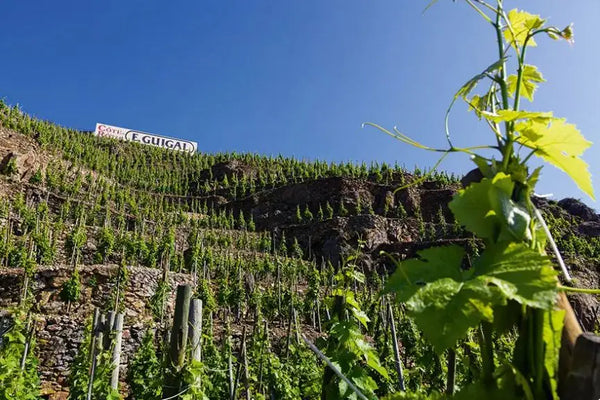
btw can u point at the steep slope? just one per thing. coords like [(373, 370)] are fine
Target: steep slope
[(258, 237)]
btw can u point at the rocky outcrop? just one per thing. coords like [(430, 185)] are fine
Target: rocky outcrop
[(23, 151), (590, 228), (579, 209)]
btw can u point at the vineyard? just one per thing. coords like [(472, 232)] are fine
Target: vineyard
[(128, 271)]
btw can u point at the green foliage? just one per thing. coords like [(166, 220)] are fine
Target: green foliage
[(530, 77), (559, 144), (71, 289), (10, 168), (37, 177), (251, 224), (204, 293), (415, 396), (512, 280), (144, 374), (75, 240), (359, 206), (342, 211), (329, 210), (296, 249), (105, 245), (157, 301), (320, 214), (346, 346), (17, 382), (446, 301), (79, 377), (241, 224), (148, 200), (308, 215), (195, 380), (79, 372), (217, 386), (45, 249)]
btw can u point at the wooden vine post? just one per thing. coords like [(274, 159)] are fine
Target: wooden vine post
[(95, 339), (179, 332), (185, 334), (397, 361), (107, 333), (579, 361), (178, 339), (195, 333), (116, 355)]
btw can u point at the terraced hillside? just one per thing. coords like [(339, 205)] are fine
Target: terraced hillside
[(91, 223)]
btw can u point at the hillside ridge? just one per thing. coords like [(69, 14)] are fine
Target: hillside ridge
[(256, 237)]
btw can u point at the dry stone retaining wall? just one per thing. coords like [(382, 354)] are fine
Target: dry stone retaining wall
[(60, 326)]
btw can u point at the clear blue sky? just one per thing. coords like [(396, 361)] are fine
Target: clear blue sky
[(296, 78)]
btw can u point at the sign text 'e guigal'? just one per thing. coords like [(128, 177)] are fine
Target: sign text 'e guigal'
[(150, 139)]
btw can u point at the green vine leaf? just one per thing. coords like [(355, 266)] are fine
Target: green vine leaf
[(560, 144), (521, 24), (521, 274), (530, 77), (445, 310), (446, 301), (433, 263), (553, 324), (487, 209), (508, 383), (511, 116), (480, 103)]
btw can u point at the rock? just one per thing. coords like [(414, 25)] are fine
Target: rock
[(59, 396), (579, 209), (586, 309), (590, 228), (472, 176)]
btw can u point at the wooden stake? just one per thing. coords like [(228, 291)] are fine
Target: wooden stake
[(398, 363), (30, 333), (450, 383), (246, 372), (240, 364), (178, 340), (289, 332), (318, 315), (179, 332), (96, 338), (116, 355), (107, 329), (230, 368), (195, 333)]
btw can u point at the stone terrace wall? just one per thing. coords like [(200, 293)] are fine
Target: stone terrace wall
[(60, 326)]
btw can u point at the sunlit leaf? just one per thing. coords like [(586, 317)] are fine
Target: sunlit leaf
[(510, 116), (480, 103), (486, 208), (553, 324), (560, 144), (522, 274), (521, 24), (446, 309), (530, 77), (433, 263)]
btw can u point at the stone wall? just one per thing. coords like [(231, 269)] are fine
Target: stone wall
[(60, 326)]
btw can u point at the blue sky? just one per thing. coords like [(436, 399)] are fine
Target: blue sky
[(296, 78)]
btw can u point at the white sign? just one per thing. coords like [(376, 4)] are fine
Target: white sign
[(150, 139)]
